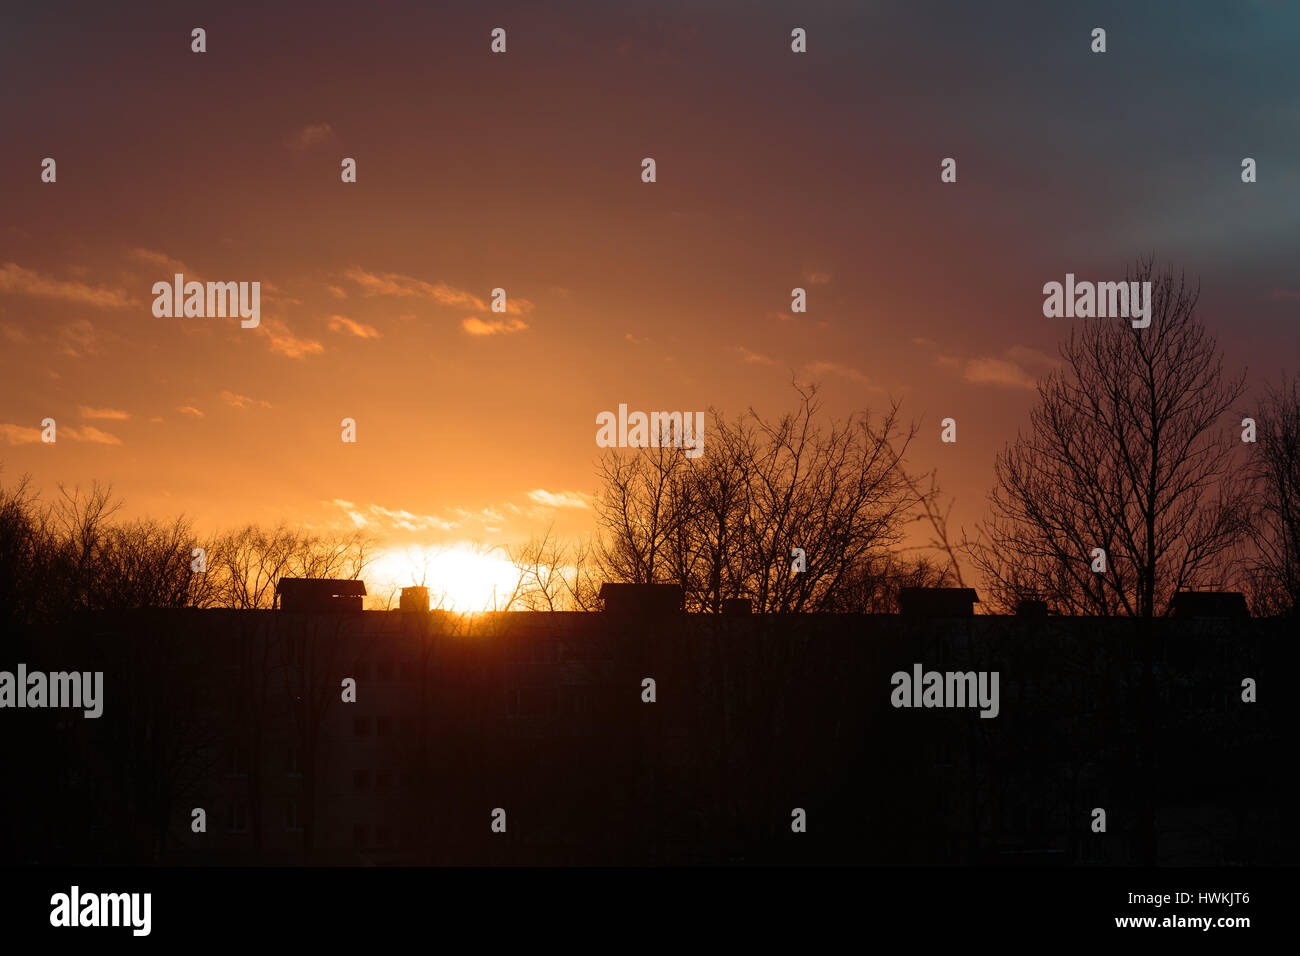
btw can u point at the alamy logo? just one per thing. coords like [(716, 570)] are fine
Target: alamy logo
[(58, 689), (653, 430), (1101, 300), (103, 909), (946, 689), (215, 300)]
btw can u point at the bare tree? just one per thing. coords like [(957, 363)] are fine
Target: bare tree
[(553, 575), (725, 525), (148, 564), (1273, 567), (1128, 453), (24, 555), (247, 563)]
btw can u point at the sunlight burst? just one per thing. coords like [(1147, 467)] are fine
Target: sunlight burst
[(462, 577)]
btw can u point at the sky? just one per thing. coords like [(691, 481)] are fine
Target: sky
[(522, 171)]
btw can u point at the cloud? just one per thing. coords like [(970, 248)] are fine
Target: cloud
[(392, 283), (834, 368), (1280, 295), (77, 338), (91, 434), (560, 499), (189, 410), (637, 340), (405, 520), (285, 342), (15, 334), (310, 135), (922, 341), (349, 509), (15, 279), (753, 357), (19, 434), (112, 414), (337, 291), (158, 259), (817, 278), (24, 435), (1018, 367), (341, 323), (476, 326), (241, 401)]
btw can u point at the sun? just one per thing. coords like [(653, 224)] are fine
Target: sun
[(461, 577)]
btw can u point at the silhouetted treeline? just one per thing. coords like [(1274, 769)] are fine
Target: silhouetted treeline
[(68, 554)]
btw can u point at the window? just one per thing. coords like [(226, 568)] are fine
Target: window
[(383, 779), (292, 767), (408, 725), (384, 726), (361, 671), (292, 823), (237, 815), (360, 779), (383, 835), (384, 670), (238, 766), (359, 834), (361, 726)]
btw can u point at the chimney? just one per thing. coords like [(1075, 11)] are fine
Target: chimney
[(642, 599), (319, 594), (937, 602), (414, 599)]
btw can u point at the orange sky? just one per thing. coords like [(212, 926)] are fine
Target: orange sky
[(522, 171)]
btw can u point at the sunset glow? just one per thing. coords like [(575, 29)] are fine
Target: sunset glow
[(461, 578)]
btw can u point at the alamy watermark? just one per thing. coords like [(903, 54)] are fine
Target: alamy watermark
[(57, 689), (1100, 300), (651, 430), (946, 689), (211, 300)]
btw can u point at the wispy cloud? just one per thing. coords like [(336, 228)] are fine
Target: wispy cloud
[(377, 516), (20, 434), (814, 277), (285, 342), (88, 433), (1017, 367), (112, 414), (189, 410), (310, 135), (393, 283), (235, 400), (341, 323), (77, 338), (835, 368), (560, 499), (14, 279), (476, 326), (26, 435), (161, 259), (753, 358)]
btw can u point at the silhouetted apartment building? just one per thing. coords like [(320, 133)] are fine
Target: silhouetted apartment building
[(645, 735)]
